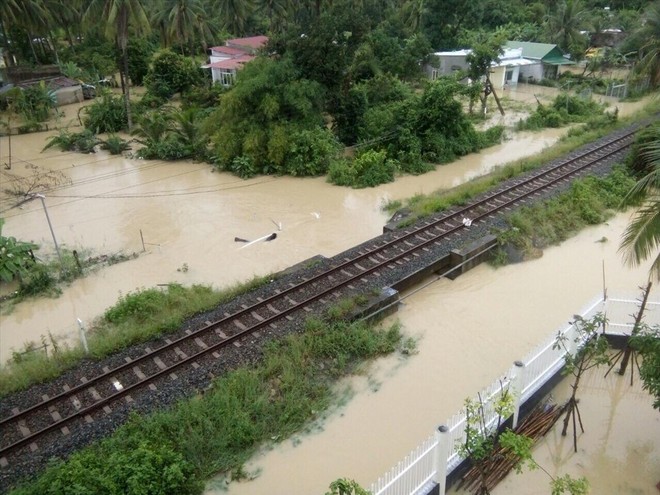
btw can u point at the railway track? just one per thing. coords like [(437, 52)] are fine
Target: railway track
[(26, 431)]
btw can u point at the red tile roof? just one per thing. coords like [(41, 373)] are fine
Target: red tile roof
[(252, 42), (229, 50)]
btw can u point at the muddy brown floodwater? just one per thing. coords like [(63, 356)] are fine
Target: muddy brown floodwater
[(189, 216), (469, 330)]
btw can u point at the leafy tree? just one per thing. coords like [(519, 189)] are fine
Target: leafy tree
[(482, 439), (269, 104), (140, 52), (15, 256), (647, 343), (484, 53), (171, 73), (585, 351)]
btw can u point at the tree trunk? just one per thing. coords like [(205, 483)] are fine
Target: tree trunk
[(34, 53), (9, 59), (127, 91)]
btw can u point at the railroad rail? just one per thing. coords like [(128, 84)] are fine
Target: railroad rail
[(23, 431)]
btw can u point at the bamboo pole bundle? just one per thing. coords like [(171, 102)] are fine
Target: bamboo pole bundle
[(534, 426)]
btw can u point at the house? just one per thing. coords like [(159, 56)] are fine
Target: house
[(503, 73), (546, 59), (226, 60)]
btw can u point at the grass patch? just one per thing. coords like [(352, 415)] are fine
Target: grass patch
[(137, 317), (565, 109), (589, 201), (219, 431)]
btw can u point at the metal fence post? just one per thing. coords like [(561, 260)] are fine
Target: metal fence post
[(441, 455), (517, 378)]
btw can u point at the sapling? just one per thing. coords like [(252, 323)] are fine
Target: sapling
[(586, 350)]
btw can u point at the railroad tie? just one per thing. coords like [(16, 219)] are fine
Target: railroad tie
[(239, 325), (272, 308), (159, 363), (221, 333), (3, 462), (95, 394), (201, 343), (54, 414), (138, 372), (257, 316), (22, 426), (180, 353)]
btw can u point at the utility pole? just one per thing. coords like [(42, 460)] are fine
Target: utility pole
[(52, 232)]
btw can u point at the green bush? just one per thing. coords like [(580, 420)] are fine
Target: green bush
[(144, 469), (106, 114), (83, 141), (115, 145), (369, 169), (171, 73), (310, 152)]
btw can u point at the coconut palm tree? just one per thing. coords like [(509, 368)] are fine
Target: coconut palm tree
[(563, 26), (649, 31), (641, 239), (181, 20), (119, 15), (234, 14), (10, 13), (277, 11)]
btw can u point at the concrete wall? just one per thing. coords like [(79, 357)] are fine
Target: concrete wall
[(66, 96)]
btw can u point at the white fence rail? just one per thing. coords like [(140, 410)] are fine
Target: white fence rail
[(437, 456)]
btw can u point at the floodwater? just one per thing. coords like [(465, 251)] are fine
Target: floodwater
[(615, 454), (469, 332), (188, 216)]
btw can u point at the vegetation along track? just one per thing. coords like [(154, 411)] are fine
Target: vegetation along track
[(24, 431)]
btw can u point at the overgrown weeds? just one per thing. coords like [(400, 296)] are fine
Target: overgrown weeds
[(219, 431), (136, 318), (589, 201)]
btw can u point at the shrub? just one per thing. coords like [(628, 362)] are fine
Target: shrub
[(115, 145), (310, 152), (171, 73), (106, 114), (83, 141), (369, 169)]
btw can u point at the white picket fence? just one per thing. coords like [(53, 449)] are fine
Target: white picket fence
[(437, 456)]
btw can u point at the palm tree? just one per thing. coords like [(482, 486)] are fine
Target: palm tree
[(118, 15), (564, 24), (641, 238), (234, 14), (277, 11), (10, 13), (649, 52), (181, 19)]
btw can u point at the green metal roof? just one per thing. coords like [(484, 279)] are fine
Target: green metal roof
[(546, 52), (554, 60)]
